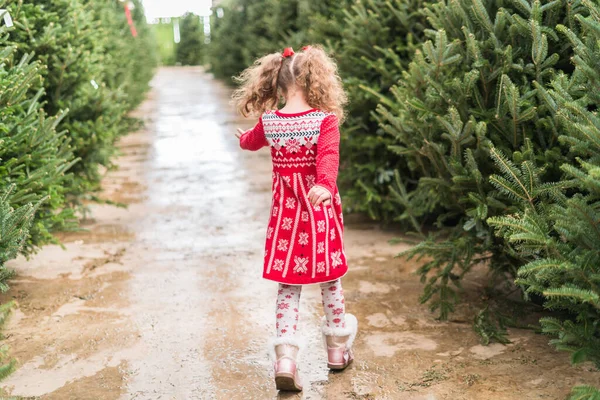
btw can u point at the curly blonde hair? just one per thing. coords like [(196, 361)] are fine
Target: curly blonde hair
[(313, 71)]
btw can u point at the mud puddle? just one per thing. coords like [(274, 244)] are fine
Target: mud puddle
[(163, 300)]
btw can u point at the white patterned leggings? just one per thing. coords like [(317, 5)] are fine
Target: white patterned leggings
[(288, 305)]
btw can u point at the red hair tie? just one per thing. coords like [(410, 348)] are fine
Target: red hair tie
[(288, 52), (306, 48)]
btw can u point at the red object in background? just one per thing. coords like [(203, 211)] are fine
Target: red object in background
[(130, 20)]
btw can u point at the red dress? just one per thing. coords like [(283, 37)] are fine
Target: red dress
[(304, 244)]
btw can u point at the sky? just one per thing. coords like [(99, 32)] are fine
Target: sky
[(175, 8)]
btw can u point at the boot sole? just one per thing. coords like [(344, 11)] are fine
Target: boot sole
[(287, 383), (339, 367)]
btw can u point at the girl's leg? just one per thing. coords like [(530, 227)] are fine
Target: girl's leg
[(333, 304), (286, 345), (339, 328), (287, 311)]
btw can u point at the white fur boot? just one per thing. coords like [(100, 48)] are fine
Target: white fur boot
[(286, 371), (339, 343)]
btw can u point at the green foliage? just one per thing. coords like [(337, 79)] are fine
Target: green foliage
[(377, 41), (52, 58), (7, 363), (225, 55), (559, 238), (468, 98), (584, 393), (165, 39), (490, 328), (190, 49), (95, 70), (34, 158), (14, 230), (67, 39)]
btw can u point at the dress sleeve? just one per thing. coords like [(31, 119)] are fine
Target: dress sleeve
[(328, 154), (254, 139)]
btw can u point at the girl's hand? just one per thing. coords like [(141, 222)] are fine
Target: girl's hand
[(317, 195), (239, 133)]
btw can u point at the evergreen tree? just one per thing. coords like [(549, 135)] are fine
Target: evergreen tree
[(376, 42), (470, 95), (225, 56), (68, 40), (91, 69), (322, 23), (559, 239), (34, 158), (190, 49)]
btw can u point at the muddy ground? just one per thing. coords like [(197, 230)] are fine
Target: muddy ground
[(164, 300)]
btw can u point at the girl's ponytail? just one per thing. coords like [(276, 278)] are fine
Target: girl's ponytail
[(316, 73), (258, 90)]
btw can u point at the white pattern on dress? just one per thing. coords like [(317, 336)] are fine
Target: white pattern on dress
[(275, 209), (292, 146), (277, 147), (310, 181), (269, 232), (282, 245), (320, 226), (278, 265), (336, 258), (321, 248), (303, 238), (332, 234), (287, 224), (300, 264), (304, 216), (321, 266), (290, 202)]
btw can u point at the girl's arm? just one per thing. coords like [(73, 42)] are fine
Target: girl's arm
[(254, 139), (328, 154)]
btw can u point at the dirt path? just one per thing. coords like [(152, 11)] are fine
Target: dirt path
[(163, 300)]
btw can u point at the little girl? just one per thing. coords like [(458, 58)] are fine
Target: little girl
[(304, 237)]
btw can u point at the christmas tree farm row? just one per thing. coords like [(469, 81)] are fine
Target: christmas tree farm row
[(70, 71), (476, 118)]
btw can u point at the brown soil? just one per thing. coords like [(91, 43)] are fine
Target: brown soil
[(164, 300)]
